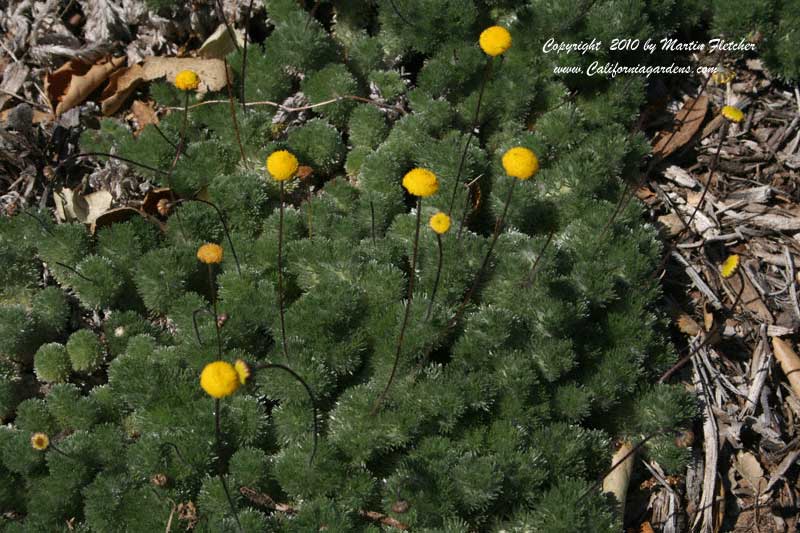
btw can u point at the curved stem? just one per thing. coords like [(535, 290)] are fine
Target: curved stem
[(438, 274), (372, 219), (75, 271), (244, 56), (497, 227), (688, 357), (399, 350), (280, 278), (715, 161), (532, 274), (194, 322), (221, 217), (472, 131), (62, 452), (635, 449), (217, 434), (110, 156), (234, 120), (214, 304), (629, 191), (311, 397)]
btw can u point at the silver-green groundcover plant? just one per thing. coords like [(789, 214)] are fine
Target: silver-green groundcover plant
[(460, 373)]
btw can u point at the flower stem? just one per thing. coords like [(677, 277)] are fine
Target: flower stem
[(532, 274), (217, 434), (62, 452), (311, 397), (722, 137), (244, 56), (471, 133), (221, 217), (399, 350), (438, 274), (214, 305), (497, 227), (280, 277), (233, 116)]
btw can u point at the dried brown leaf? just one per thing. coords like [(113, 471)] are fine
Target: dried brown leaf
[(120, 86), (72, 205), (789, 361), (210, 71), (219, 44), (688, 325), (74, 81), (687, 121), (144, 113), (617, 481)]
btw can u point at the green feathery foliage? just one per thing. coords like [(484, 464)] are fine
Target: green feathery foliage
[(502, 406)]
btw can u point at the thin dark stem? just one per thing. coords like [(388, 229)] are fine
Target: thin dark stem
[(217, 434), (244, 56), (280, 278), (464, 213), (228, 27), (438, 274), (688, 357), (409, 299), (311, 14), (213, 290), (163, 136), (110, 156), (629, 191), (498, 226), (636, 448), (233, 115), (221, 217), (178, 453), (62, 452), (40, 221), (471, 133), (194, 322), (722, 137), (372, 219), (311, 397), (532, 274), (90, 280)]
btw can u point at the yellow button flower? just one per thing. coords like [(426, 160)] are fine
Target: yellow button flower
[(210, 254), (40, 441), (734, 114), (520, 163), (421, 182), (219, 379), (242, 370), (282, 165), (187, 80), (440, 223), (495, 40), (729, 267)]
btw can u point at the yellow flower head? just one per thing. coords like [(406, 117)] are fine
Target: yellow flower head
[(440, 223), (219, 379), (242, 370), (40, 441), (729, 267), (421, 182), (187, 80), (210, 253), (520, 163), (734, 114), (495, 40), (282, 165)]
